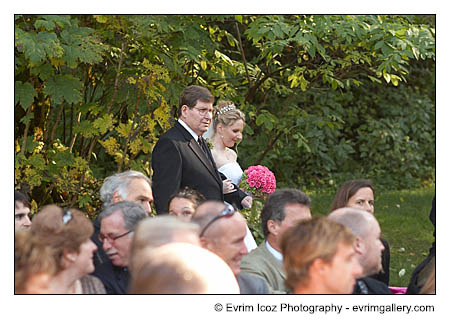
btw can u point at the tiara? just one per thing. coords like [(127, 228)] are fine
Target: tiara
[(226, 108)]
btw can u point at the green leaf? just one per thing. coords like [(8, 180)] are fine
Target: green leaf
[(26, 119), (64, 158), (44, 71), (24, 93), (63, 87), (37, 161), (260, 119), (103, 124), (238, 18), (47, 25)]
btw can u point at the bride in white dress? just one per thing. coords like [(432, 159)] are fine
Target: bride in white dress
[(225, 132)]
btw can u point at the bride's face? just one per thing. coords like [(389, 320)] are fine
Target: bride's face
[(232, 133)]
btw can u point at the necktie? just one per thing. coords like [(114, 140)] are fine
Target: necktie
[(202, 144)]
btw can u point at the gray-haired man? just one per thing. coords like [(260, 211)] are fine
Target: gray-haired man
[(131, 186), (117, 224)]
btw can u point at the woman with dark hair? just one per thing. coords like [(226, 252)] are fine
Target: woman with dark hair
[(22, 210), (68, 233), (184, 203), (361, 194)]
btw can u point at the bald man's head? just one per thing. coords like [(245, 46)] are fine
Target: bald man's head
[(367, 231), (222, 231), (182, 268)]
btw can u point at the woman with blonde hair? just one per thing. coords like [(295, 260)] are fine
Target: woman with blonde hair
[(67, 233), (225, 133)]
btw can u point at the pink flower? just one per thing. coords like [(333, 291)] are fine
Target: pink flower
[(260, 178)]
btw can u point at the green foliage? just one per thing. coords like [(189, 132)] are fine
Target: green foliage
[(326, 97)]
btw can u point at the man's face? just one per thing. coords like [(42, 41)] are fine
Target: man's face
[(21, 216), (371, 260), (294, 213), (340, 274), (118, 250), (229, 242), (139, 191), (198, 117)]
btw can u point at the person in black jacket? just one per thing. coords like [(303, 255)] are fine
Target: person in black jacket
[(182, 158), (360, 194), (425, 269), (368, 247)]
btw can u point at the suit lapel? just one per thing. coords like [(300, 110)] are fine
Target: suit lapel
[(195, 147), (205, 160)]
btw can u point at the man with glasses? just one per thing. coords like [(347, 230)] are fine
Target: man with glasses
[(117, 224), (181, 158), (222, 231)]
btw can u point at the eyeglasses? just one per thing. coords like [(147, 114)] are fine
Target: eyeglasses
[(67, 216), (111, 239), (203, 112), (227, 212)]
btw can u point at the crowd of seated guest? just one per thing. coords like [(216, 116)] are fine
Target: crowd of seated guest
[(200, 248)]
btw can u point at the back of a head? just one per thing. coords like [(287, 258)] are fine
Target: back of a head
[(348, 190), (32, 257), (119, 183), (132, 213), (307, 241), (206, 211), (157, 231), (181, 268), (357, 220), (274, 207), (64, 230)]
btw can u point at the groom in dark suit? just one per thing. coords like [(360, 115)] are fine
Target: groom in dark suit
[(181, 157)]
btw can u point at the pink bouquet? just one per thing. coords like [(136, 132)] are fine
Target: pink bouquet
[(258, 180)]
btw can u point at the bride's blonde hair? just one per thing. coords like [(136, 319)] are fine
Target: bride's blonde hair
[(226, 113)]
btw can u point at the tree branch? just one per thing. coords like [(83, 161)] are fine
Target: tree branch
[(243, 54)]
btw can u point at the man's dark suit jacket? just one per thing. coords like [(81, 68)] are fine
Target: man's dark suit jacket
[(370, 286), (115, 279), (179, 161)]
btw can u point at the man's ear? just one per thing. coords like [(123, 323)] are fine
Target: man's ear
[(272, 226), (318, 266), (183, 110), (116, 197), (359, 246), (207, 243)]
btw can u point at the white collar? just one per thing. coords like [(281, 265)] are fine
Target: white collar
[(195, 136), (277, 255)]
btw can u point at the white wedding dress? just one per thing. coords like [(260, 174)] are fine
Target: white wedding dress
[(233, 171)]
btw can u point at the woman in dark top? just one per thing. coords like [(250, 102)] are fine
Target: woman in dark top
[(361, 194)]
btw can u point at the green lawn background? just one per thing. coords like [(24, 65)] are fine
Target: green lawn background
[(405, 224)]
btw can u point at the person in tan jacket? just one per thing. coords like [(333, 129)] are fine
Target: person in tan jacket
[(282, 210)]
